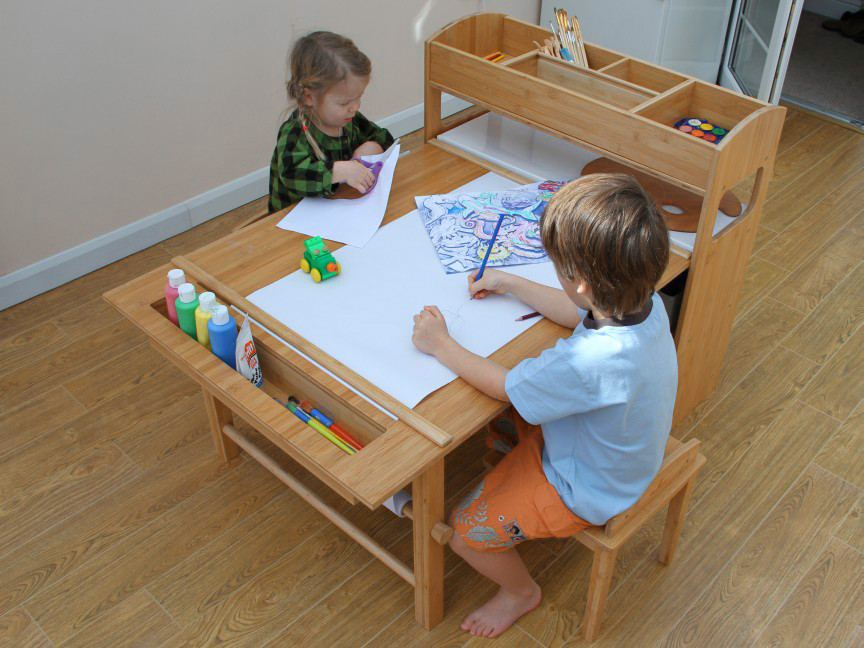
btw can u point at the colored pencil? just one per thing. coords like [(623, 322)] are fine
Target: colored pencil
[(528, 316), (489, 249)]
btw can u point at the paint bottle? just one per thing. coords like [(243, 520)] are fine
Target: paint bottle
[(222, 328), (206, 301), (175, 278), (186, 304)]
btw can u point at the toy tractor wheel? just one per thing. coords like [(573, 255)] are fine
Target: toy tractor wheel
[(316, 275), (304, 266)]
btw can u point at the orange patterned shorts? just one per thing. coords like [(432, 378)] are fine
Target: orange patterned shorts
[(515, 502)]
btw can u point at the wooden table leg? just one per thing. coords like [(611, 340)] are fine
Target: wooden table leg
[(219, 416), (428, 494)]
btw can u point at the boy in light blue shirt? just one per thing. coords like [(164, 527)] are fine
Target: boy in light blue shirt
[(594, 411)]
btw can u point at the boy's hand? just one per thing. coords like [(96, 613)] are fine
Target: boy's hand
[(430, 330), (492, 282), (355, 174)]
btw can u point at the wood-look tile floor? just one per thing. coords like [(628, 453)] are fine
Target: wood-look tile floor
[(119, 526)]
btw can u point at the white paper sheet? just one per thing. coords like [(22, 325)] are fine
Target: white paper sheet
[(352, 221), (363, 317)]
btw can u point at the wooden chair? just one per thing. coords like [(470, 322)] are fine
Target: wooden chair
[(672, 486)]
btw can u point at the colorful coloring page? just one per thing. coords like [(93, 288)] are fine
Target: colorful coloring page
[(461, 225)]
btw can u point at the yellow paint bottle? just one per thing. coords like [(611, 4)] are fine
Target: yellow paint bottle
[(206, 301)]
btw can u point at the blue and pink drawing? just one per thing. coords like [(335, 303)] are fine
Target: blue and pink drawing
[(461, 225)]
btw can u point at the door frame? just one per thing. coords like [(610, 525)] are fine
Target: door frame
[(778, 51)]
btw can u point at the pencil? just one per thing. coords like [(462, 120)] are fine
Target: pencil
[(489, 249), (528, 316)]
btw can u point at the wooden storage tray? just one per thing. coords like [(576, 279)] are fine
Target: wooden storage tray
[(620, 107), (285, 372)]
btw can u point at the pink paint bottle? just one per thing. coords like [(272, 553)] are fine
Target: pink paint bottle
[(175, 278)]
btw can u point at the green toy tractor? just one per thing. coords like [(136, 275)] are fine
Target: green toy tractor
[(318, 261)]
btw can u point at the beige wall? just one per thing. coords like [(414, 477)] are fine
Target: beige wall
[(112, 111)]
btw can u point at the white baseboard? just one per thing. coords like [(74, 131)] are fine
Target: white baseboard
[(831, 8), (411, 119), (60, 268)]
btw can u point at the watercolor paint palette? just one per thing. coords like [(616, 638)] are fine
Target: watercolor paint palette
[(702, 128)]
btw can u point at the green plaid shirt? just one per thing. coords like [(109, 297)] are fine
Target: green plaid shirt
[(295, 170)]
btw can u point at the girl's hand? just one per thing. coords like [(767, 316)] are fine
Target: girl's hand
[(493, 282), (353, 173), (368, 148), (430, 330)]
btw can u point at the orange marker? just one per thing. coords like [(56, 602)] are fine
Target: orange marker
[(493, 55)]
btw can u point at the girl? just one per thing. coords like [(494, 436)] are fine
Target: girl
[(316, 146)]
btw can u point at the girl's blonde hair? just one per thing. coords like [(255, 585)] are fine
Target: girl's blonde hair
[(318, 61)]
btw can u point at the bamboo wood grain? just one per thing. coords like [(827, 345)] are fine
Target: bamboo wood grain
[(556, 133), (500, 88), (428, 493), (602, 570), (321, 506), (220, 416), (424, 427), (718, 263), (674, 523)]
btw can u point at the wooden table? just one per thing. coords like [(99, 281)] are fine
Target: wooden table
[(396, 453)]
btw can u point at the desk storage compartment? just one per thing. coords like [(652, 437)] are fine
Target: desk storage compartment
[(579, 80), (643, 75), (287, 373), (722, 107)]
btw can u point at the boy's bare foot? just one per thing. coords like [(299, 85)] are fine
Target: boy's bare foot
[(498, 613)]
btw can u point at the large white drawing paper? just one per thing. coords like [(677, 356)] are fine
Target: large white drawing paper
[(363, 317), (352, 221)]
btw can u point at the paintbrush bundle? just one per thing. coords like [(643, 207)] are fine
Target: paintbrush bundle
[(566, 42)]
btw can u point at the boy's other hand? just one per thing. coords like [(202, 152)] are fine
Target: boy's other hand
[(492, 282), (430, 330), (356, 175)]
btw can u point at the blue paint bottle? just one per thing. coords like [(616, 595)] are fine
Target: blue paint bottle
[(223, 334)]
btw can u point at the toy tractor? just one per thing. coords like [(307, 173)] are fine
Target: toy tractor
[(318, 261)]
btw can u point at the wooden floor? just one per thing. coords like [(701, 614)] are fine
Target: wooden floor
[(119, 526)]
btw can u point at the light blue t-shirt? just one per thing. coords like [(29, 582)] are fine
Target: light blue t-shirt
[(604, 399)]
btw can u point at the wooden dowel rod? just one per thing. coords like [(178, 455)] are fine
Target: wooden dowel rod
[(406, 414), (321, 506), (441, 533)]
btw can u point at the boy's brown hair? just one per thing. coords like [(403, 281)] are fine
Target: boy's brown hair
[(604, 230)]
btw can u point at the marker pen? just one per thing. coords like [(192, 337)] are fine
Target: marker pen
[(306, 406), (315, 425)]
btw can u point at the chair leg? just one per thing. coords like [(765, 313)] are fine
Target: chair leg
[(675, 522), (601, 578)]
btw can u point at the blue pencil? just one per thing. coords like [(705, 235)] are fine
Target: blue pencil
[(489, 249)]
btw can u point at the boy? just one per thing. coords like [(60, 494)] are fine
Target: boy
[(602, 398)]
